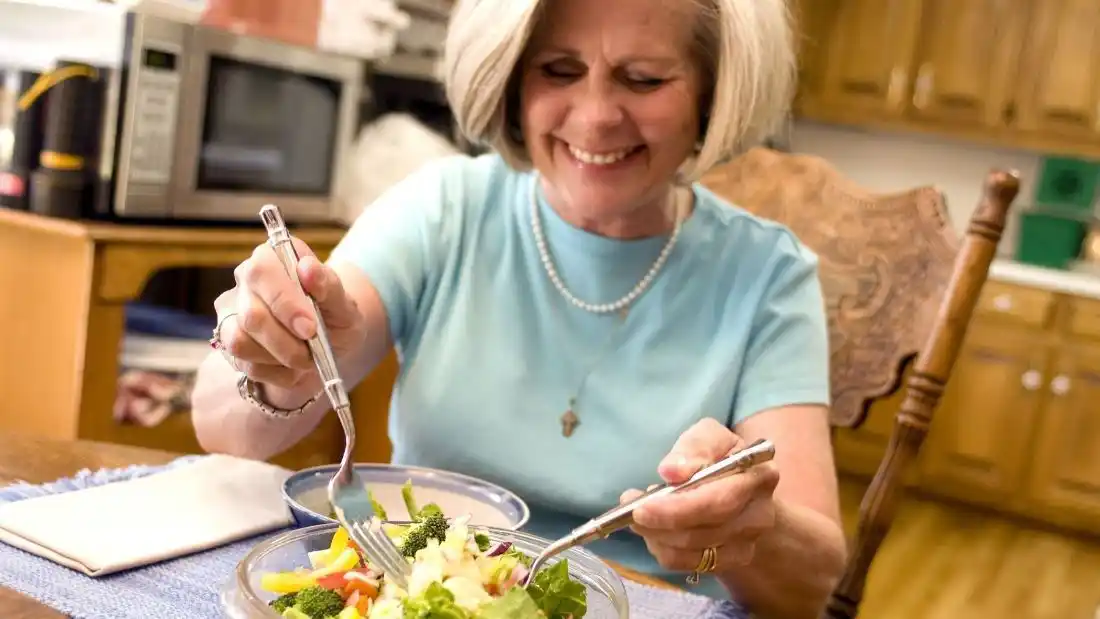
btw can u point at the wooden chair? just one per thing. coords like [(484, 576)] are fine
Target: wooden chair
[(898, 282)]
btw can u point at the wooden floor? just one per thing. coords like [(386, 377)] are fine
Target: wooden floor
[(944, 561)]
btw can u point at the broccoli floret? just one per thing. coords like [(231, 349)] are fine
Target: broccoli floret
[(284, 602), (432, 527), (318, 602), (428, 510)]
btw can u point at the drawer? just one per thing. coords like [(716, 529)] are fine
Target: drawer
[(1083, 317), (1023, 305)]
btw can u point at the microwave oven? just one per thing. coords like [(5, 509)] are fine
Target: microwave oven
[(202, 124)]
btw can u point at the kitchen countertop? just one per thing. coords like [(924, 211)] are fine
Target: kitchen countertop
[(1068, 282)]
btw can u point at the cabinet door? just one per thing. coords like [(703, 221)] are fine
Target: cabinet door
[(859, 451), (966, 58), (1059, 81), (977, 447), (813, 19), (870, 49), (1065, 480)]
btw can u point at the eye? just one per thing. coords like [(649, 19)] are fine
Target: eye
[(562, 70), (643, 83)]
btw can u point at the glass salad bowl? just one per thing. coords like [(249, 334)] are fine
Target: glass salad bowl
[(243, 598)]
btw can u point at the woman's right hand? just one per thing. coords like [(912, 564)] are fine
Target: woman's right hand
[(265, 319)]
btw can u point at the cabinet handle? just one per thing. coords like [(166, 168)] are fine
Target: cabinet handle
[(1002, 302), (922, 91), (896, 86), (1060, 385), (1031, 380)]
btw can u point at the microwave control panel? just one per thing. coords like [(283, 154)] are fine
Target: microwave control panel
[(155, 109)]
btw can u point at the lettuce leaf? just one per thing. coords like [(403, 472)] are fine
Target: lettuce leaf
[(556, 595), (514, 604), (435, 603)]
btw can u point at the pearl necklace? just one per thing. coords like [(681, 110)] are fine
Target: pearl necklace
[(597, 308)]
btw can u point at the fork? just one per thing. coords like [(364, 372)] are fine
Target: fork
[(622, 516), (346, 491), (380, 549)]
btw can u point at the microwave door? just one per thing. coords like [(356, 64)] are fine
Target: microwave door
[(146, 96), (273, 125)]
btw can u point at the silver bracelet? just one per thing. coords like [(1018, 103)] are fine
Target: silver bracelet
[(250, 392)]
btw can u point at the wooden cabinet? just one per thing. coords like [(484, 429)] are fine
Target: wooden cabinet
[(1018, 73), (1018, 428), (1064, 480), (977, 448), (962, 63), (59, 369), (813, 18), (867, 50)]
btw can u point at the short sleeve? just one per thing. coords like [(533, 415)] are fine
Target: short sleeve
[(400, 239), (787, 361)]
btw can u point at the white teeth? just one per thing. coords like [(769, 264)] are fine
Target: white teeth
[(599, 158)]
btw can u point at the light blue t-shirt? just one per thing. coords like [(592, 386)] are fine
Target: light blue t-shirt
[(491, 353)]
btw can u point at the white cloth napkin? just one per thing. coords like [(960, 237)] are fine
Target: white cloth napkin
[(105, 529)]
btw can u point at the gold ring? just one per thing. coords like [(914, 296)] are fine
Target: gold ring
[(707, 563)]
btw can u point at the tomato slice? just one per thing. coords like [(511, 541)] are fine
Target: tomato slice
[(335, 581)]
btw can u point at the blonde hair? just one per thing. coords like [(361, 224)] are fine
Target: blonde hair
[(745, 46)]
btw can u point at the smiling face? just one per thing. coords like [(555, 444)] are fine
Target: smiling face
[(609, 106)]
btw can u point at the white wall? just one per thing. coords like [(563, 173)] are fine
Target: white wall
[(892, 162)]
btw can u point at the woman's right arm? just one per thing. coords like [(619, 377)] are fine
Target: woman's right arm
[(226, 423), (370, 294)]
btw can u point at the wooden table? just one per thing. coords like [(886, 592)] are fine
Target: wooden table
[(37, 460)]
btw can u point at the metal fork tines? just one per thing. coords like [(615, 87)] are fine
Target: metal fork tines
[(381, 551)]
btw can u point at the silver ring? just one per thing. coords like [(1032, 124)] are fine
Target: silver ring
[(216, 341)]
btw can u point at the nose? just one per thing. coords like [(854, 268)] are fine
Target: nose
[(597, 107)]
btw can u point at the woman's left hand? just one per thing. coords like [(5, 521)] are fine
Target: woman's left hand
[(728, 515)]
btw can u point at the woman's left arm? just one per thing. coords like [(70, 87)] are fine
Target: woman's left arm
[(777, 531), (797, 563)]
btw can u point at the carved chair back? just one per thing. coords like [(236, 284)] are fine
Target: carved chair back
[(900, 284)]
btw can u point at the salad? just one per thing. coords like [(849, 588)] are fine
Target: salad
[(457, 573)]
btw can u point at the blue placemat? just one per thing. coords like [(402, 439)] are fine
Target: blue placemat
[(187, 588)]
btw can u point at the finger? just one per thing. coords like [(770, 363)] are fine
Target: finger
[(680, 560), (240, 345), (265, 277), (704, 443), (324, 285), (754, 521), (283, 347), (695, 538), (274, 375), (709, 504)]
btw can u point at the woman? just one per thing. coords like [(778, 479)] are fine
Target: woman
[(574, 317)]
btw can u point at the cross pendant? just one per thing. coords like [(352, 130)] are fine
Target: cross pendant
[(569, 423)]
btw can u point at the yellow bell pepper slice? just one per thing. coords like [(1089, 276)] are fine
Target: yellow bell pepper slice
[(286, 582), (322, 558), (346, 560), (340, 542)]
